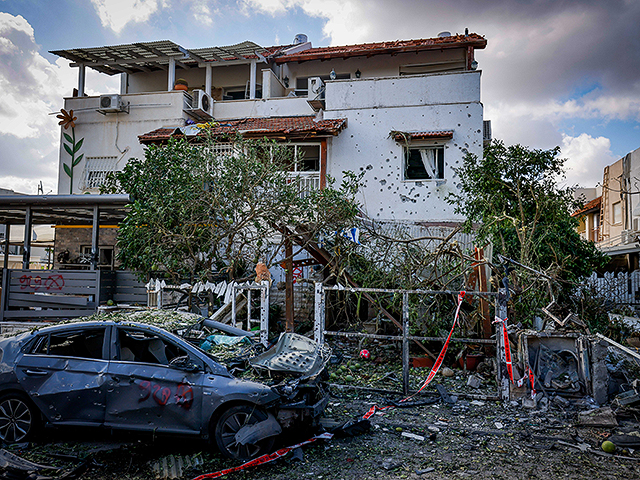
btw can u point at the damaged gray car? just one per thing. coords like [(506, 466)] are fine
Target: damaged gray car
[(139, 377)]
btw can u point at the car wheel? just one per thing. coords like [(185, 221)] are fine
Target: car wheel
[(18, 418), (228, 425)]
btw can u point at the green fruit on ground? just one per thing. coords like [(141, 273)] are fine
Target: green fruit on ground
[(398, 429), (349, 378), (343, 368), (608, 446), (110, 303)]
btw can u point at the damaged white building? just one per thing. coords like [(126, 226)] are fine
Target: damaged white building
[(405, 112)]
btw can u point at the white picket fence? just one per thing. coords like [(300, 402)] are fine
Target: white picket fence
[(623, 288)]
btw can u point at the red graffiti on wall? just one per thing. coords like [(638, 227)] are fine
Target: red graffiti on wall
[(52, 282)]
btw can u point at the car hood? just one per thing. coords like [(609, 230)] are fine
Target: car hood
[(293, 354)]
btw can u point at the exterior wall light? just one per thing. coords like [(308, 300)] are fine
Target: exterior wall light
[(358, 73), (332, 75), (474, 65)]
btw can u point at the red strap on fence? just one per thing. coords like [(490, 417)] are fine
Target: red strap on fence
[(440, 359), (269, 457), (507, 356), (434, 369)]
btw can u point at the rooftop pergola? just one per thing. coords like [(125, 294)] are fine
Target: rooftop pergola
[(158, 56), (29, 210)]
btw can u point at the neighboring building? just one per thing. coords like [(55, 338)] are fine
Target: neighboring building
[(589, 218), (620, 212), (405, 112)]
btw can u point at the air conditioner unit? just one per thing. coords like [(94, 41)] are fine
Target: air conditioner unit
[(201, 105), (112, 103), (315, 88)]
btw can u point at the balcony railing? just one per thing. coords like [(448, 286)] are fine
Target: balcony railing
[(307, 181)]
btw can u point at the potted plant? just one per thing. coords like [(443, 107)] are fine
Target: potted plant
[(181, 84)]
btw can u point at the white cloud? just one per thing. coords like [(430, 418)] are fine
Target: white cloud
[(116, 14), (32, 89), (202, 12), (586, 158)]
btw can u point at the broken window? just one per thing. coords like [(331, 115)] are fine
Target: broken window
[(76, 343), (424, 163), (146, 347)]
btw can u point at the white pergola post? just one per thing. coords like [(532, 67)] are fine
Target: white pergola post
[(124, 83), (207, 79), (252, 80), (171, 74), (81, 79)]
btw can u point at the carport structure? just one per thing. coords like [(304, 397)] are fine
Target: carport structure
[(39, 294)]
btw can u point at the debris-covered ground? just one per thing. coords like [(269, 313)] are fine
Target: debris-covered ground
[(471, 438), (458, 430)]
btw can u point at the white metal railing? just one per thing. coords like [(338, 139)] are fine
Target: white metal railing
[(307, 181)]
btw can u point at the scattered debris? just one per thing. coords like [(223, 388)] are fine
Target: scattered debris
[(474, 381), (175, 466), (413, 436), (601, 417)]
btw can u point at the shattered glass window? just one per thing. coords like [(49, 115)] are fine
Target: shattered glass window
[(146, 347), (76, 343), (424, 163)]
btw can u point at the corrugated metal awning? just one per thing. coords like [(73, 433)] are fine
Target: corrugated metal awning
[(154, 56)]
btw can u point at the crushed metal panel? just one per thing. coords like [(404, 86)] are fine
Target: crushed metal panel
[(294, 354)]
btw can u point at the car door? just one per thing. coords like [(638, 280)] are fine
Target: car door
[(145, 391), (64, 373)]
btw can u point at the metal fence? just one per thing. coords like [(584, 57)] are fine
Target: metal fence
[(404, 336), (623, 288)]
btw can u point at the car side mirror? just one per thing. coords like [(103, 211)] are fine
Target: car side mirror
[(184, 363)]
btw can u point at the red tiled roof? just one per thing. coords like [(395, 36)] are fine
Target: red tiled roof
[(399, 46), (592, 205), (255, 127), (432, 135)]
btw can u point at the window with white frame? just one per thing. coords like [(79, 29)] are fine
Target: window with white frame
[(423, 162), (617, 212), (96, 170), (304, 164)]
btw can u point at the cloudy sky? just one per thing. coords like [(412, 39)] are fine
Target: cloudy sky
[(555, 72)]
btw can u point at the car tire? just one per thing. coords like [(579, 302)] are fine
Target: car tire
[(228, 424), (18, 418)]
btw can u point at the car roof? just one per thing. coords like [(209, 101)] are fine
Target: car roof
[(100, 323)]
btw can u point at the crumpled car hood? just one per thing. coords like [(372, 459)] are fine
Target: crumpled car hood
[(293, 354)]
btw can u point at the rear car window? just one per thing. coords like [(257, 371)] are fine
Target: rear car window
[(86, 343)]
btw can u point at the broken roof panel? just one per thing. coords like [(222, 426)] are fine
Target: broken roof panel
[(240, 51), (399, 46), (306, 126)]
